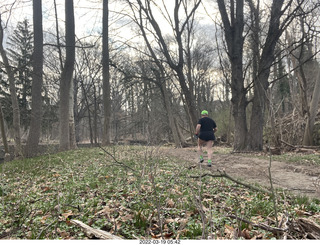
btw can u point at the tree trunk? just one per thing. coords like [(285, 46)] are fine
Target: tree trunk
[(314, 105), (233, 30), (3, 132), (37, 81), (177, 64), (13, 93), (95, 117), (88, 109), (261, 83), (167, 105), (66, 77), (106, 75), (72, 130)]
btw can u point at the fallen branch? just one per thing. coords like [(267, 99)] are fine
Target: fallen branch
[(223, 174), (265, 227), (286, 143), (301, 147), (94, 233), (308, 226)]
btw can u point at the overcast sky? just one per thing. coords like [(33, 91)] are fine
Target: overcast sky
[(88, 14)]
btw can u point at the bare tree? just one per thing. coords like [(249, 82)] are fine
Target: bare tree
[(233, 30), (37, 81), (14, 99), (66, 77), (175, 60), (260, 79), (106, 74), (263, 58), (314, 105)]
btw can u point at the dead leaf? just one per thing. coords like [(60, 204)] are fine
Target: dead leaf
[(44, 218), (106, 211), (45, 188), (168, 235), (63, 234), (126, 217), (229, 231), (167, 221), (170, 203), (246, 234), (67, 214)]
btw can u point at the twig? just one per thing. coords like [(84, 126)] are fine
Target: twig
[(116, 161), (47, 227), (274, 230), (223, 174), (286, 143), (274, 197)]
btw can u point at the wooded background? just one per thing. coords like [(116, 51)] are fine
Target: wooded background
[(122, 71)]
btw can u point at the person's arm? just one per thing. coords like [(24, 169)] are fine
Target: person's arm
[(215, 129), (198, 129)]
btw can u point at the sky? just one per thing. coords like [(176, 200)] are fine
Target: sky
[(88, 15)]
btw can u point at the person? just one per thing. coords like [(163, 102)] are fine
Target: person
[(205, 130)]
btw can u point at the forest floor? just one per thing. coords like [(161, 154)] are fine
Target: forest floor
[(152, 192), (301, 178)]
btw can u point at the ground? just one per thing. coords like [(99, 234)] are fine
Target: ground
[(300, 179)]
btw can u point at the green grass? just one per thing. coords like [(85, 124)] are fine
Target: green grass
[(289, 157), (127, 194), (299, 158)]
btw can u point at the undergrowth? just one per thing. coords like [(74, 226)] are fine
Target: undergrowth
[(133, 192)]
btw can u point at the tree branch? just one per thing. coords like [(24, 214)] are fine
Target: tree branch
[(116, 161), (223, 174)]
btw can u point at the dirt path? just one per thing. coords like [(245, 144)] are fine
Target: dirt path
[(300, 179)]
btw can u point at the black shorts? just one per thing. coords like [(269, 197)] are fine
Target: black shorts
[(207, 135)]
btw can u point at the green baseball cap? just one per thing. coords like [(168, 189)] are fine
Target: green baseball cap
[(204, 112)]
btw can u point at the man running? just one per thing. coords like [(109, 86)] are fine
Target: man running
[(205, 132)]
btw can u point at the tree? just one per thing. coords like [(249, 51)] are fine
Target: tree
[(174, 58), (260, 79), (160, 81), (66, 77), (233, 31), (20, 54), (37, 81), (3, 133), (14, 100), (314, 104), (106, 74), (263, 57)]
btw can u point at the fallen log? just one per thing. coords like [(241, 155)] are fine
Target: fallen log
[(94, 233)]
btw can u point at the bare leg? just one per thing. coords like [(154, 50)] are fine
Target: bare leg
[(209, 149), (200, 151)]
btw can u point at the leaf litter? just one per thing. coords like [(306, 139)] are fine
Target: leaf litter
[(137, 192)]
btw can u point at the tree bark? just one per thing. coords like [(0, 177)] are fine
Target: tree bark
[(261, 83), (3, 132), (37, 81), (314, 105), (72, 130), (66, 76), (233, 30), (106, 75), (167, 105)]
